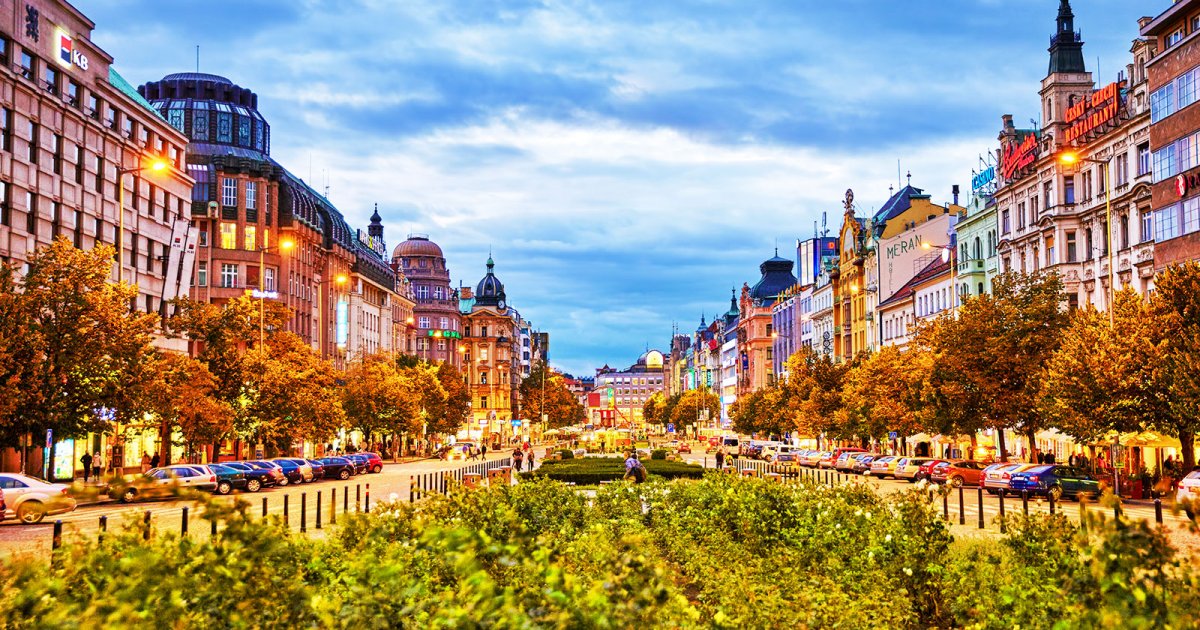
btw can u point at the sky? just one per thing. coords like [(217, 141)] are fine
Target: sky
[(626, 163)]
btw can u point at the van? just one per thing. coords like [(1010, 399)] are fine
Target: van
[(730, 443)]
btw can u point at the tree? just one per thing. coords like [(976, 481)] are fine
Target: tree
[(1106, 377), (814, 390), (692, 406), (881, 394), (545, 392), (652, 410), (380, 399), (448, 414), (182, 396), (1176, 299), (763, 411), (291, 394), (72, 343)]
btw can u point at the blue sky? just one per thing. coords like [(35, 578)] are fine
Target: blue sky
[(626, 162)]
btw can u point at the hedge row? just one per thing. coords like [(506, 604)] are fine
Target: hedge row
[(592, 470)]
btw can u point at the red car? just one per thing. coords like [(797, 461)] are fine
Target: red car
[(925, 471), (962, 473)]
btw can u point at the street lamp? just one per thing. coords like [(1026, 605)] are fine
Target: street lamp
[(284, 245), (947, 256), (157, 165), (1068, 158)]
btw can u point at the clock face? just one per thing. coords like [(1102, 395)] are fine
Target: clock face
[(500, 303)]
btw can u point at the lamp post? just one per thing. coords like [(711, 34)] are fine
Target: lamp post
[(948, 256), (284, 245), (1068, 158), (157, 165)]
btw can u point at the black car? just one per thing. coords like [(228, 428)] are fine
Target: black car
[(360, 462), (317, 467), (260, 476), (338, 467)]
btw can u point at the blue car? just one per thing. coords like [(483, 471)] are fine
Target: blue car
[(265, 475), (1055, 481)]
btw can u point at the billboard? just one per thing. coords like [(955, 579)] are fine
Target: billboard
[(904, 255)]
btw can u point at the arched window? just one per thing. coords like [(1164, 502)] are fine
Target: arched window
[(978, 248)]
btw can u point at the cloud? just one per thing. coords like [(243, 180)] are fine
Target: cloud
[(626, 162)]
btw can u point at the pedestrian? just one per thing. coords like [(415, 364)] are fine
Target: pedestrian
[(633, 468), (517, 458), (720, 458), (1071, 460), (483, 451), (154, 460), (86, 460), (529, 458), (97, 465), (145, 462)]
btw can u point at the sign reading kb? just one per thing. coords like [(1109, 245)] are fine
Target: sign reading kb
[(68, 55)]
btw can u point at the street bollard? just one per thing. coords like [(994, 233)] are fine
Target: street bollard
[(213, 529), (1003, 528), (103, 527), (412, 489), (264, 507), (962, 513), (1158, 518), (357, 497), (1050, 495), (346, 499), (980, 507), (303, 512), (146, 526), (318, 509), (367, 499), (285, 510), (1025, 501), (946, 506), (183, 526), (56, 542), (1117, 510), (332, 506)]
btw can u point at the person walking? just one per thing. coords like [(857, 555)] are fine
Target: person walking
[(720, 458), (529, 458), (483, 451), (97, 465), (154, 460), (518, 457), (86, 460), (145, 462)]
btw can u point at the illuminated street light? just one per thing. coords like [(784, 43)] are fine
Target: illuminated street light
[(157, 165)]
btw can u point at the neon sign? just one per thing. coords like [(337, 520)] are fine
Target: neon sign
[(982, 179), (1017, 156), (1096, 110)]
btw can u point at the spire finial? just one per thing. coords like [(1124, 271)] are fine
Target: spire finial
[(909, 176)]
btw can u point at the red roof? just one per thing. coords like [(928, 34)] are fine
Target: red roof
[(931, 271)]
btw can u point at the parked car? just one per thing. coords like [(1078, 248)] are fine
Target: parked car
[(296, 473), (996, 477), (812, 459), (3, 508), (1188, 494), (266, 464), (372, 462), (158, 483), (956, 474), (836, 454), (337, 467), (317, 467), (228, 479), (884, 466), (30, 499), (769, 453), (302, 463), (862, 463), (258, 477), (1055, 481), (908, 467), (845, 461), (925, 471)]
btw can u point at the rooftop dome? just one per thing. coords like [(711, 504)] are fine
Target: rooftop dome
[(197, 76), (776, 276), (417, 245), (490, 291)]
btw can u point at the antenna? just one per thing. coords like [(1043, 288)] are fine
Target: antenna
[(197, 57), (897, 176), (824, 230)]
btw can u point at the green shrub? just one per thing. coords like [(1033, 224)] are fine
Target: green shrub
[(658, 454), (587, 471), (566, 453)]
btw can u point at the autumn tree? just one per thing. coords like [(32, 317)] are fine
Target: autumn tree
[(652, 409), (764, 411), (1176, 300), (448, 413), (813, 390), (182, 396), (291, 395), (881, 393), (693, 405), (379, 400), (545, 392), (71, 343)]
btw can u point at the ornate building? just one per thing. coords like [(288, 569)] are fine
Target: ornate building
[(492, 357), (438, 323), (755, 331)]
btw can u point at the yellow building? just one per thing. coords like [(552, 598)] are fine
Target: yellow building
[(491, 358)]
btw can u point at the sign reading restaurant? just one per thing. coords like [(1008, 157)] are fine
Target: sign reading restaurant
[(1094, 112)]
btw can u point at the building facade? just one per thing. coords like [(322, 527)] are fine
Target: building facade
[(492, 356), (977, 236), (619, 395), (438, 322), (1171, 76), (755, 328)]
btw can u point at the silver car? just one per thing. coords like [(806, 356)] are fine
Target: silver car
[(30, 499)]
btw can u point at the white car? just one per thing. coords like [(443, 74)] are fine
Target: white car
[(1188, 494), (460, 451), (770, 451), (30, 499)]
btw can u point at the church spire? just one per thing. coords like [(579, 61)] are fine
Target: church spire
[(376, 227), (1066, 46)]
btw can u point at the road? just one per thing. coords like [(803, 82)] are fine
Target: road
[(393, 483)]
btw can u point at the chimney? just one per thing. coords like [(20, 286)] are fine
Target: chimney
[(954, 189)]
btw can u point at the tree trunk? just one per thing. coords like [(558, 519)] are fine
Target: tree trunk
[(974, 445), (1033, 449), (1000, 443), (164, 442), (1187, 439), (216, 451)]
